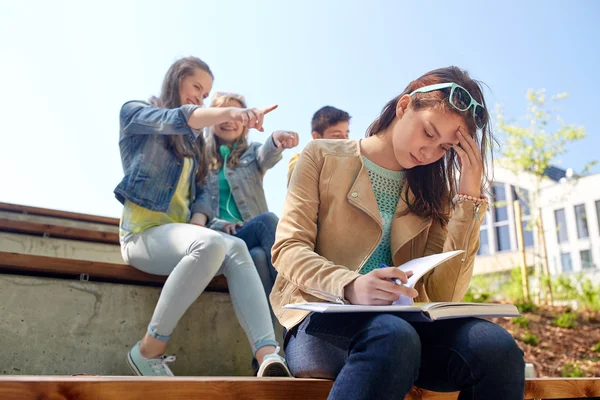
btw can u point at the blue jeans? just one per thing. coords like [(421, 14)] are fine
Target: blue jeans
[(259, 235), (381, 356)]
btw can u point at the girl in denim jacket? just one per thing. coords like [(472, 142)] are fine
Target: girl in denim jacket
[(235, 183), (166, 209)]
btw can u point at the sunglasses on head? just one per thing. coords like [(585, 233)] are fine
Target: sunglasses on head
[(461, 99)]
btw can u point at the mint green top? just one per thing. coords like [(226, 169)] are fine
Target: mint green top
[(228, 209), (387, 185)]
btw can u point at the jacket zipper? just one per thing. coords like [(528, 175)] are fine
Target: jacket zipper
[(475, 218), (337, 299), (331, 297)]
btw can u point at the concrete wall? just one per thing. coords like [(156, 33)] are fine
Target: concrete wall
[(51, 326), (54, 326)]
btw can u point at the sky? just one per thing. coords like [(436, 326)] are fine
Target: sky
[(68, 66)]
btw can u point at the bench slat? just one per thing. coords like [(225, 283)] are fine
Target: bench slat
[(58, 213), (238, 388), (119, 273), (562, 388), (63, 232)]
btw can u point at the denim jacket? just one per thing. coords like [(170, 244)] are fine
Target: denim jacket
[(152, 171), (246, 181)]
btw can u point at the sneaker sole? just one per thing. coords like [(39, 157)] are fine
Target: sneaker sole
[(274, 370), (132, 365)]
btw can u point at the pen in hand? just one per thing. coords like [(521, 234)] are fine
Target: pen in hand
[(395, 280)]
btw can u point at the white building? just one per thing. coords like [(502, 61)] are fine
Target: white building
[(571, 219)]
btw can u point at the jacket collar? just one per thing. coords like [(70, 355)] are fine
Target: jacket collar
[(404, 227)]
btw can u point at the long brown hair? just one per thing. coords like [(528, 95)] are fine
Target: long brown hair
[(434, 185), (183, 145), (239, 146)]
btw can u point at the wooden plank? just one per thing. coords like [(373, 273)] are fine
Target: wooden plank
[(42, 219), (65, 232), (238, 388), (422, 394), (178, 388), (119, 273), (58, 213), (562, 388)]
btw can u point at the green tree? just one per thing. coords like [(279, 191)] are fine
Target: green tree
[(531, 147)]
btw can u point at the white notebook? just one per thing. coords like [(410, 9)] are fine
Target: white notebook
[(419, 311)]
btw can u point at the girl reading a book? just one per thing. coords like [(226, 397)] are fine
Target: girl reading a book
[(411, 188)]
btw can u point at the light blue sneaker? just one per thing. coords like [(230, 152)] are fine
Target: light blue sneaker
[(273, 365), (143, 366)]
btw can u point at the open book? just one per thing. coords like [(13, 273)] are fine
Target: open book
[(419, 312), (419, 267)]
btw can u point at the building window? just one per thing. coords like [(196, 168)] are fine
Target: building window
[(523, 196), (565, 262), (581, 219), (561, 226), (484, 244), (500, 206), (502, 238), (598, 212), (484, 240), (500, 216), (586, 259), (527, 234)]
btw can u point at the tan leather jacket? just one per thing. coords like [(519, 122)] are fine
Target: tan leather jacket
[(331, 224)]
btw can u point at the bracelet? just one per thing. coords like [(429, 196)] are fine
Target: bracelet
[(464, 197)]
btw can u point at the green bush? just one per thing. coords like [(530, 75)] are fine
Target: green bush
[(566, 320), (523, 322), (531, 339), (564, 288), (590, 295), (478, 291), (578, 288), (596, 347), (513, 288), (572, 370), (477, 295), (525, 307)]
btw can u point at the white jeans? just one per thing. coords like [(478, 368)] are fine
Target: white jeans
[(191, 256)]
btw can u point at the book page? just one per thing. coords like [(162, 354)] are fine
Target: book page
[(419, 312), (341, 308), (419, 267)]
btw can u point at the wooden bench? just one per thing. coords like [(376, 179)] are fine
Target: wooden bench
[(221, 388), (19, 263), (224, 388), (46, 212)]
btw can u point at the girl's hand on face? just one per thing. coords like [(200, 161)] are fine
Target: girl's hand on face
[(231, 228), (471, 165), (377, 287), (251, 117), (285, 139)]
